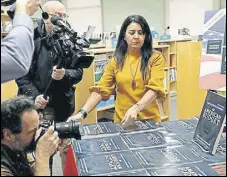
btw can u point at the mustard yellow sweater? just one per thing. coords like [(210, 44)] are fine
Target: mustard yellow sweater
[(122, 79)]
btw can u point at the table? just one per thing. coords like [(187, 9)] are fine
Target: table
[(71, 169)]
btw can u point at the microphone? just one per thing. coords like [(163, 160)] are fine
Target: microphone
[(45, 15), (55, 20)]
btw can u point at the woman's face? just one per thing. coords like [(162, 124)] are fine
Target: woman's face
[(134, 36)]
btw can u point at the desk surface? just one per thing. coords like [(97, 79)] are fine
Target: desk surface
[(71, 168)]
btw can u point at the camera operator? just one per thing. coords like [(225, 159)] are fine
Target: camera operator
[(61, 103), (19, 130), (18, 46)]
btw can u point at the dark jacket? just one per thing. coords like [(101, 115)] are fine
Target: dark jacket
[(14, 163), (62, 92)]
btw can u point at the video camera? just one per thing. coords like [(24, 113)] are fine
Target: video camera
[(7, 2), (69, 45), (65, 129)]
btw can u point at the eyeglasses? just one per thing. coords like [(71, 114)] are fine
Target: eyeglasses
[(61, 15)]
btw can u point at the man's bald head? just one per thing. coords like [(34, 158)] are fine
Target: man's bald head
[(53, 7)]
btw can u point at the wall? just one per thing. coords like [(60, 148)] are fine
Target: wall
[(115, 11), (84, 13), (223, 4), (189, 13)]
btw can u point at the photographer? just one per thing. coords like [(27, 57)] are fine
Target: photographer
[(61, 103), (17, 48), (19, 125)]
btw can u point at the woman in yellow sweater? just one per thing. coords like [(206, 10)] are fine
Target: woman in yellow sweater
[(135, 71)]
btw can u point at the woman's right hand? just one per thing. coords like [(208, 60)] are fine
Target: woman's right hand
[(47, 144), (78, 116)]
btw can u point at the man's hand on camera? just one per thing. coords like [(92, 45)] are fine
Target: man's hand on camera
[(28, 7), (40, 102), (58, 74), (47, 144), (78, 116)]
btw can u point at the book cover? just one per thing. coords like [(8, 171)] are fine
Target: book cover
[(181, 126), (218, 158), (99, 129), (166, 156), (187, 138), (212, 44), (130, 173), (194, 120), (149, 139), (107, 163), (194, 169), (142, 126), (98, 145), (184, 137), (99, 68), (211, 123)]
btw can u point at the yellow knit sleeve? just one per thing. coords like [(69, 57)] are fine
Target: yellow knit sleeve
[(106, 84), (157, 74)]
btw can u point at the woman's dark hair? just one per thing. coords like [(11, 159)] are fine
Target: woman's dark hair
[(122, 46), (11, 112)]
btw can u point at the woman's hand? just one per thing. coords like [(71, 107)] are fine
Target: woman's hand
[(131, 114)]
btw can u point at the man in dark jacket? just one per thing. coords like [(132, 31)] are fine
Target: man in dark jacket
[(19, 133), (61, 101), (61, 93)]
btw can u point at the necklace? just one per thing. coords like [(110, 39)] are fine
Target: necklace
[(134, 76)]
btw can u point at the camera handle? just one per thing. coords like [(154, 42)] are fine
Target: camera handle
[(60, 54)]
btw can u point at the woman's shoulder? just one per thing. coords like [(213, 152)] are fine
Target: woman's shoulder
[(156, 55)]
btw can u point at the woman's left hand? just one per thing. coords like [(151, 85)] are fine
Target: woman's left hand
[(130, 115)]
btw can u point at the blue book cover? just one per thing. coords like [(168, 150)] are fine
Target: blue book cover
[(166, 156), (181, 126), (186, 138), (130, 173), (107, 163), (193, 169), (218, 158), (149, 139), (100, 128), (142, 125), (98, 145), (211, 123)]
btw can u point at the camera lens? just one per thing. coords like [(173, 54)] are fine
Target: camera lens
[(68, 130)]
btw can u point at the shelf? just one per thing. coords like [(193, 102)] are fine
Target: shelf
[(105, 108), (160, 46), (172, 67), (166, 68), (172, 93), (172, 53), (176, 40), (96, 51), (173, 81)]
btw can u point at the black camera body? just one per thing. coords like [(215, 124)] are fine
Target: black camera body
[(69, 46), (7, 2), (65, 129)]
